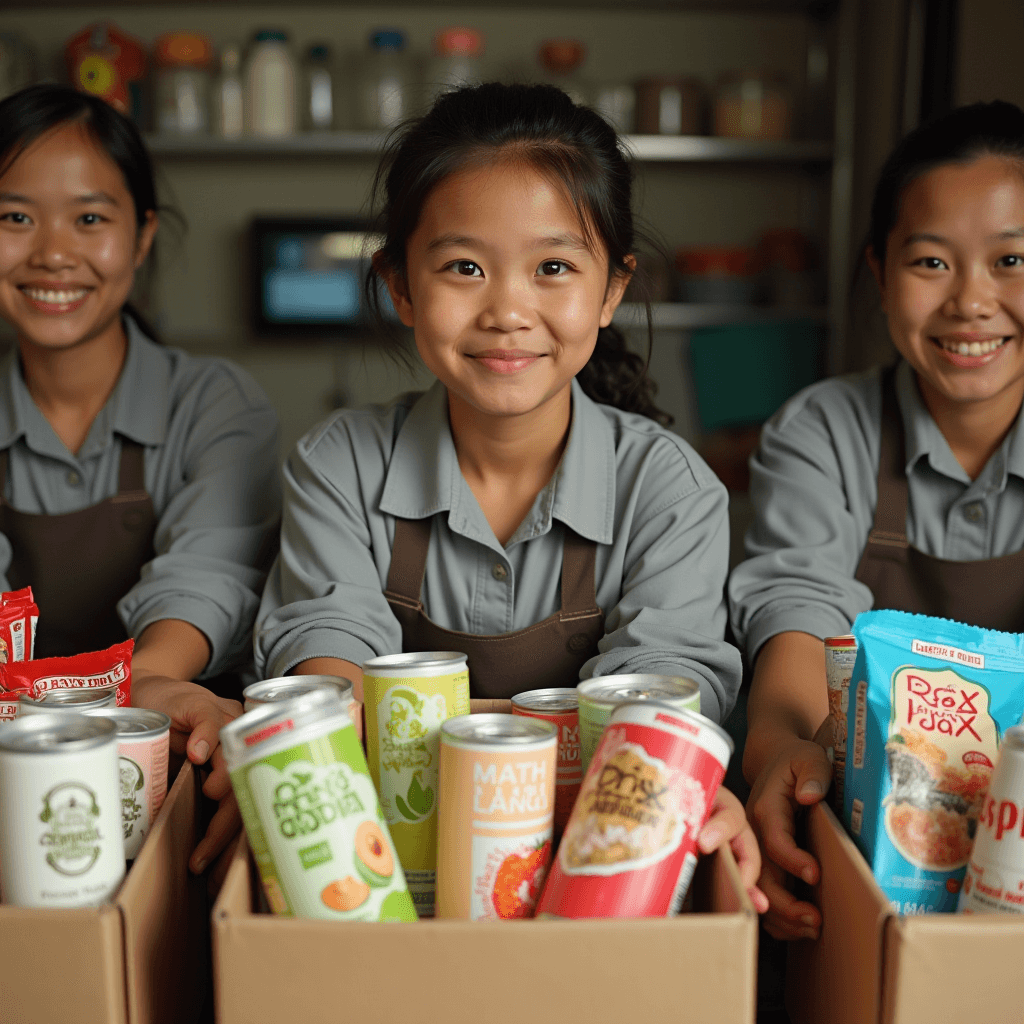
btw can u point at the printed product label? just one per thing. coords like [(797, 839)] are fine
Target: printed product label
[(133, 784), (72, 839), (992, 889), (508, 875)]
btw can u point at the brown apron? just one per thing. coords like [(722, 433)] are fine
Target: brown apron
[(988, 592), (549, 653), (80, 564)]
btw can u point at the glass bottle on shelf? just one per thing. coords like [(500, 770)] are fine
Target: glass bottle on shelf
[(456, 62), (319, 108), (228, 120), (182, 62), (561, 60), (270, 86), (384, 81)]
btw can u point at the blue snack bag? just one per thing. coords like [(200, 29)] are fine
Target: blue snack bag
[(929, 701)]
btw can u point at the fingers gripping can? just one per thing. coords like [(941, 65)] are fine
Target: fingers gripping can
[(559, 706), (311, 813), (629, 849), (599, 696), (495, 815), (406, 698), (60, 814), (269, 691), (143, 747)]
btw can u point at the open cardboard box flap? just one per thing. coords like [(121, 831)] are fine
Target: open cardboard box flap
[(871, 964)]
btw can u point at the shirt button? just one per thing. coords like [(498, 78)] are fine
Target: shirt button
[(73, 478), (974, 512), (499, 572)]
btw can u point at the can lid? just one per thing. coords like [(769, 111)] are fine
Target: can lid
[(670, 711), (637, 686), (846, 640), (63, 731), (139, 722), (268, 691), (72, 698), (554, 698), (424, 659), (496, 730)]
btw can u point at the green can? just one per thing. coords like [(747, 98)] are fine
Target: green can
[(598, 698), (406, 697), (311, 813)]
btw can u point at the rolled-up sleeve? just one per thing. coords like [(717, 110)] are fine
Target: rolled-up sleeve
[(217, 533)]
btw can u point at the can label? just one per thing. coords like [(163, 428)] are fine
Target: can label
[(403, 729), (569, 770), (314, 824), (840, 657), (143, 770)]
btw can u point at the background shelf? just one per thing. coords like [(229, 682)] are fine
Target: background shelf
[(689, 316)]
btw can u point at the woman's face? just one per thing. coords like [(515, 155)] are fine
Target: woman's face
[(501, 290), (953, 280), (69, 240)]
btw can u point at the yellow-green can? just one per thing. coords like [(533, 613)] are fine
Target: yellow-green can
[(600, 696), (406, 697)]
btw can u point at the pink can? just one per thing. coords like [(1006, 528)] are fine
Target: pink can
[(629, 849)]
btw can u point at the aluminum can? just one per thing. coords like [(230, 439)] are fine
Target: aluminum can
[(601, 695), (495, 816), (285, 687), (406, 697), (84, 699), (143, 747), (629, 849), (840, 657), (61, 843), (311, 813), (559, 706), (995, 873)]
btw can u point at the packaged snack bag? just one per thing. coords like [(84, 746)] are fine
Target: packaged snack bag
[(19, 615), (929, 701)]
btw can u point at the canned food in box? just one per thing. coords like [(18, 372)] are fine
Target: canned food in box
[(85, 699), (269, 691)]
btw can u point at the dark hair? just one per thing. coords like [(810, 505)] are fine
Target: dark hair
[(32, 112), (963, 135), (572, 145)]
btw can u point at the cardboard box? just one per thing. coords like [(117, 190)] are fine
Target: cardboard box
[(871, 964), (139, 959), (699, 966)]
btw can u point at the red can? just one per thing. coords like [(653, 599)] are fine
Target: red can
[(559, 706), (629, 849)]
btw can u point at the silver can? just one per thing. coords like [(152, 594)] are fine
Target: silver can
[(143, 747), (76, 699), (600, 696), (61, 842), (270, 691)]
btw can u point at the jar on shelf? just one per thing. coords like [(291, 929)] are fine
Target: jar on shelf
[(228, 104), (270, 86), (790, 265), (319, 107), (456, 62), (616, 103), (719, 275), (384, 85), (752, 105), (670, 105), (561, 60), (183, 81)]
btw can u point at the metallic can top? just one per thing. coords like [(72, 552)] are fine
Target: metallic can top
[(59, 733), (613, 690), (285, 687), (74, 698), (693, 718), (497, 730), (847, 640), (140, 723), (424, 659), (553, 700)]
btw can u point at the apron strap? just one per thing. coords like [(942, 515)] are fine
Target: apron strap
[(579, 587), (890, 525), (131, 470)]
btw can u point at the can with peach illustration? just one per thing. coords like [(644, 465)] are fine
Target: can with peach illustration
[(311, 813), (629, 849), (495, 815)]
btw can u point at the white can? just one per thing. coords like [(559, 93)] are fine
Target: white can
[(143, 747), (995, 872), (60, 813), (72, 699), (270, 691)]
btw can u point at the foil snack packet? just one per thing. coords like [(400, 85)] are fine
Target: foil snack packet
[(929, 701)]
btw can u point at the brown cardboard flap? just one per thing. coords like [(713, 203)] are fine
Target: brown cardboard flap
[(164, 910), (838, 977)]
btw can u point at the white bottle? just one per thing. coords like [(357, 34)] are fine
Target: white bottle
[(270, 86), (227, 95), (384, 89)]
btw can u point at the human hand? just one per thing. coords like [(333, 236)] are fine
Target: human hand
[(727, 824), (798, 776)]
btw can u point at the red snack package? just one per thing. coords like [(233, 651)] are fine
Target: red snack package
[(18, 617), (112, 667)]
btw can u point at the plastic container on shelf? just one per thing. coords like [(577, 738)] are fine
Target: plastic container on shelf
[(719, 275), (228, 119), (753, 105), (670, 105), (456, 62), (385, 81), (317, 97), (561, 60), (270, 86), (182, 61)]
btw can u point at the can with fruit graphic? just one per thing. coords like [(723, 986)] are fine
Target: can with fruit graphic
[(840, 657), (495, 815), (311, 813), (406, 697), (559, 706), (629, 849), (269, 691), (600, 696)]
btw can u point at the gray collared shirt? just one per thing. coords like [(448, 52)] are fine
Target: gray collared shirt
[(657, 513), (814, 487), (210, 439)]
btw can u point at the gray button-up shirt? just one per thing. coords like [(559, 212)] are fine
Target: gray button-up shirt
[(814, 487), (657, 513), (210, 439)]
